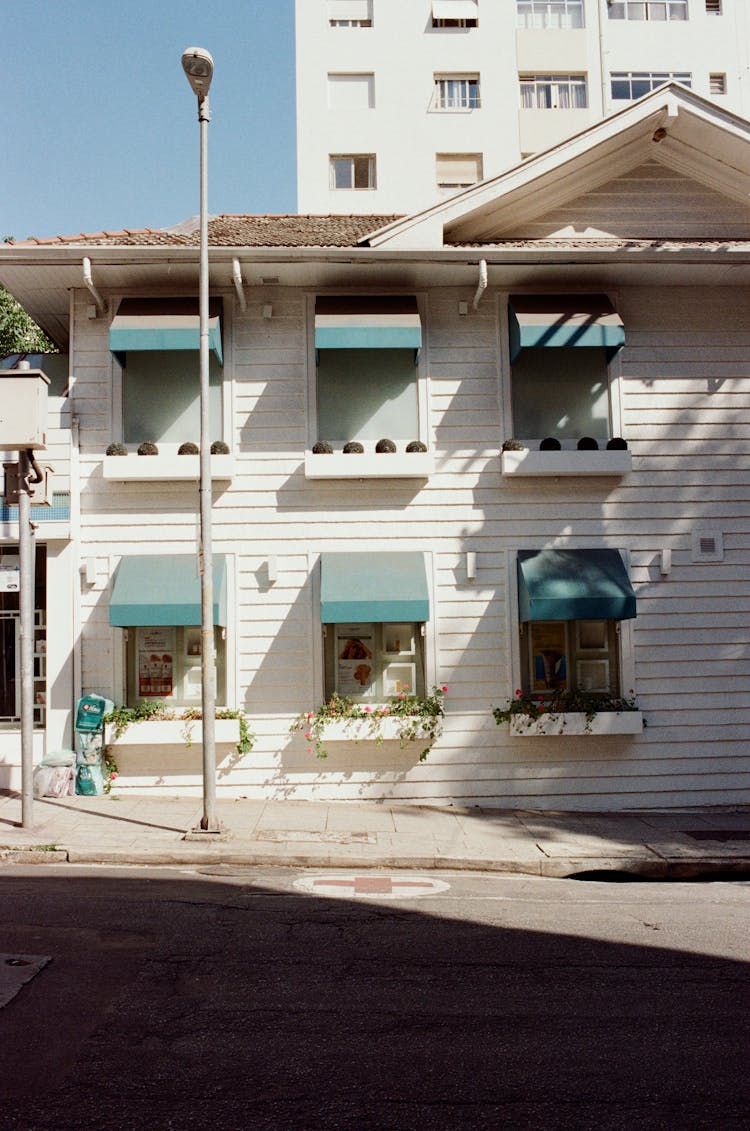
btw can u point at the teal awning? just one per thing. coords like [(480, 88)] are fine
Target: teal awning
[(163, 324), (574, 585), (381, 586), (358, 322), (164, 589), (562, 321)]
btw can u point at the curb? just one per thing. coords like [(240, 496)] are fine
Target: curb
[(647, 868)]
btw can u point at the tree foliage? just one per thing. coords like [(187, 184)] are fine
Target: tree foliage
[(18, 332)]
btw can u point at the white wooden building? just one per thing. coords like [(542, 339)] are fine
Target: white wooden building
[(600, 289)]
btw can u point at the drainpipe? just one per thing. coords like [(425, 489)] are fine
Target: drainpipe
[(482, 284), (88, 280), (237, 280)]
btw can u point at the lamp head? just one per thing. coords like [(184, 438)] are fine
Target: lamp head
[(199, 68)]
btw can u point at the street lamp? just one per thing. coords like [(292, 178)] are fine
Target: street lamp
[(199, 68)]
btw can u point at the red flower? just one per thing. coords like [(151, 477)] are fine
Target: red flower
[(368, 710), (519, 693), (308, 736), (444, 689)]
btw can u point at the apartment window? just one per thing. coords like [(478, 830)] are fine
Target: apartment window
[(458, 170), (717, 84), (352, 171), (713, 7), (549, 14), (649, 10), (454, 13), (351, 92), (627, 85), (553, 92), (165, 663), (350, 13), (372, 662), (456, 92)]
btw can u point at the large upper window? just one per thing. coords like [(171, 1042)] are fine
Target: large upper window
[(366, 355), (456, 171), (658, 10), (352, 171), (553, 92), (628, 85), (558, 14), (456, 92), (156, 341), (560, 348)]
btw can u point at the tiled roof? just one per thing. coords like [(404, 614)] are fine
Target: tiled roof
[(234, 231)]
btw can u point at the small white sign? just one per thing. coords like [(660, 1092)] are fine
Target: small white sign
[(10, 575)]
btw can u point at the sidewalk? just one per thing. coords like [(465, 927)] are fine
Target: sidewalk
[(152, 830)]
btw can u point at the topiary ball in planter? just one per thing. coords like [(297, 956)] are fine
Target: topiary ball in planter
[(219, 448), (587, 444), (148, 448), (385, 446), (617, 444), (322, 448), (188, 449), (416, 446), (513, 446), (550, 444), (353, 448), (117, 449)]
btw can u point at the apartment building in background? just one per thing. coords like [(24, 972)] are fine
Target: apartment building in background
[(400, 104)]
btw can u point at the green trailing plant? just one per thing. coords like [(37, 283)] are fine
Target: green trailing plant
[(589, 703), (420, 719), (120, 718)]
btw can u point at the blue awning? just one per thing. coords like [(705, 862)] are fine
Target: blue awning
[(381, 586), (562, 321), (164, 589), (574, 585), (358, 322), (163, 324)]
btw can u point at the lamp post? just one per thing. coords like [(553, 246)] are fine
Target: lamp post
[(199, 68)]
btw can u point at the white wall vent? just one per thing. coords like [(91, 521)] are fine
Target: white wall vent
[(708, 546)]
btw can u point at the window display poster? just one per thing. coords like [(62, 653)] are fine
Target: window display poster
[(10, 574), (549, 667), (355, 665), (156, 648)]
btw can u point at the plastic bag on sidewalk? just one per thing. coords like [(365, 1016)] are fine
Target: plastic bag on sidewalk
[(53, 781)]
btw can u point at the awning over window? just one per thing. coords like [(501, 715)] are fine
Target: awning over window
[(574, 585), (380, 586), (163, 324), (164, 589), (564, 321), (350, 10), (357, 322), (454, 9)]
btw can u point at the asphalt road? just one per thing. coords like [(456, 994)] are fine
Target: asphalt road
[(233, 999)]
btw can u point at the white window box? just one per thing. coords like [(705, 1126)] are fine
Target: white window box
[(362, 730), (174, 732), (528, 462), (575, 723), (369, 465), (135, 468)]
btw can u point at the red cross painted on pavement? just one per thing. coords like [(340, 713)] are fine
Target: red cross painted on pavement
[(370, 885)]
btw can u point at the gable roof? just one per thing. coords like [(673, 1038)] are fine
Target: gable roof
[(686, 133)]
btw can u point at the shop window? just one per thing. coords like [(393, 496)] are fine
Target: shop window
[(164, 662), (372, 662), (569, 656)]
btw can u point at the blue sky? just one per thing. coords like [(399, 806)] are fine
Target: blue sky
[(101, 127)]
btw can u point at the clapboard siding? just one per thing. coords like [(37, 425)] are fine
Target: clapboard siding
[(686, 416), (650, 200)]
